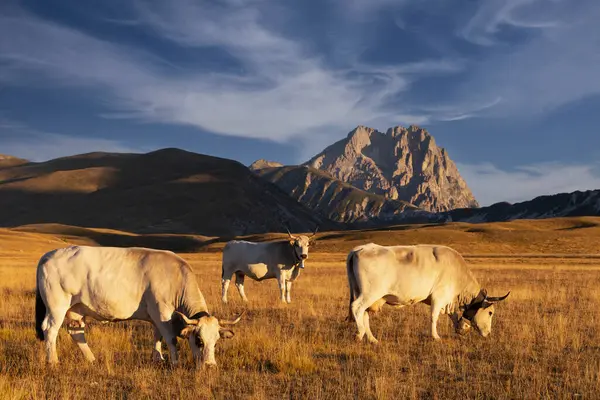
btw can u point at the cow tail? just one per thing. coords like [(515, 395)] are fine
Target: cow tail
[(40, 306), (352, 284), (40, 314), (223, 255)]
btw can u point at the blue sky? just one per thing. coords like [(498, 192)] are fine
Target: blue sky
[(510, 87)]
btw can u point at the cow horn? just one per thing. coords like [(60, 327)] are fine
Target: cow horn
[(232, 322), (495, 299), (315, 232), (289, 233), (186, 319)]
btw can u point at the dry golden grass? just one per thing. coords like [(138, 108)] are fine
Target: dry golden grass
[(545, 341)]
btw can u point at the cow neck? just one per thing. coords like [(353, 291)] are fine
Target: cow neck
[(200, 314), (297, 259), (191, 301), (471, 309)]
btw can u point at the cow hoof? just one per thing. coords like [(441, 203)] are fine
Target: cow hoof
[(437, 338), (358, 338), (373, 341)]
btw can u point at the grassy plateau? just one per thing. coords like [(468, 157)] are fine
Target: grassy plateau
[(545, 340)]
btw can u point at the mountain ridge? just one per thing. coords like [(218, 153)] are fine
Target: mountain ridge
[(332, 198)]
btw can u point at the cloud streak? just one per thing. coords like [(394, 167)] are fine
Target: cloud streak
[(34, 145), (493, 15), (554, 66), (280, 91)]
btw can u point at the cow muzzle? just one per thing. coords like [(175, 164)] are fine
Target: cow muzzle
[(304, 256)]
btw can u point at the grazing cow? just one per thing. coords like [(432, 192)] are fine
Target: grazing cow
[(281, 260), (403, 275), (117, 284)]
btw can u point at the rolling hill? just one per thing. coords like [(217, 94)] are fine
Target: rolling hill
[(166, 191), (10, 161)]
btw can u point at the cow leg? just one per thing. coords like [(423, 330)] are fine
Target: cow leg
[(76, 329), (435, 313), (51, 325), (157, 350), (162, 322), (224, 288), (239, 284), (166, 331), (281, 281), (358, 310), (370, 336), (225, 281), (57, 306), (288, 291)]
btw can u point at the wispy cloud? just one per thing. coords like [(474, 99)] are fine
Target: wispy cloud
[(555, 66), (492, 15), (25, 142), (281, 89), (460, 111), (365, 9), (491, 184)]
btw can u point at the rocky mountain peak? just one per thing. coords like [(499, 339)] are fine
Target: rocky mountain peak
[(401, 164), (262, 164)]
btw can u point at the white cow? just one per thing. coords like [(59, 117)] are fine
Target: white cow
[(116, 284), (281, 260), (403, 275)]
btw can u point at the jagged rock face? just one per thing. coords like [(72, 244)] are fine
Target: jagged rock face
[(333, 198), (262, 163), (401, 164)]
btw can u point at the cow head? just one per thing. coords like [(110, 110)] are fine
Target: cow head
[(300, 245), (479, 314), (203, 333)]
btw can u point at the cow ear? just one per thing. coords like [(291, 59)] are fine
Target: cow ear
[(180, 326), (226, 333), (186, 332), (486, 304), (292, 241), (480, 297)]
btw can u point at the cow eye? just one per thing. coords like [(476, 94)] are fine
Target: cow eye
[(491, 313)]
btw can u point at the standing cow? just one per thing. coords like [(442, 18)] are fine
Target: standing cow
[(403, 275), (281, 260), (116, 284)]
